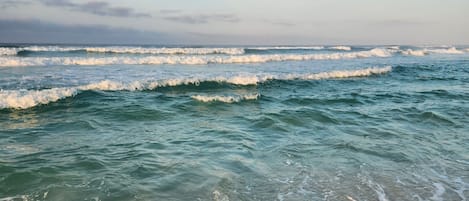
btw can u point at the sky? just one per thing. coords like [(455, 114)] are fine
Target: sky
[(236, 22)]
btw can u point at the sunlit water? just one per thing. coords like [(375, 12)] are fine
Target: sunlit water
[(234, 123)]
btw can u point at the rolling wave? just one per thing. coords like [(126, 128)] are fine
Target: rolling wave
[(186, 60), (23, 99)]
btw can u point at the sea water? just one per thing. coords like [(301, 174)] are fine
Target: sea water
[(80, 122)]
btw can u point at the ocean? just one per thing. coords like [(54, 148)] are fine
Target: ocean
[(352, 123)]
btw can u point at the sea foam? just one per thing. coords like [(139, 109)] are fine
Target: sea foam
[(22, 99)]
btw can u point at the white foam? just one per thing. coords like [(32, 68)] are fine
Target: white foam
[(423, 52), (438, 192), (344, 48), (7, 51), (288, 48), (125, 49), (414, 52), (186, 60), (225, 99), (22, 99), (394, 47), (143, 50), (341, 74), (16, 198), (451, 50)]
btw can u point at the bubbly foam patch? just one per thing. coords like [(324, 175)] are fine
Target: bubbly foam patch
[(22, 99), (186, 60)]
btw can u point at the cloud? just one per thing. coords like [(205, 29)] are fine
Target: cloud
[(99, 8), (35, 31), (202, 18), (12, 3)]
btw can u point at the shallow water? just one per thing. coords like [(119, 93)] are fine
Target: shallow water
[(258, 123)]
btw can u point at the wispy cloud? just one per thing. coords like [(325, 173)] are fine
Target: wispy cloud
[(12, 3), (100, 8), (202, 18)]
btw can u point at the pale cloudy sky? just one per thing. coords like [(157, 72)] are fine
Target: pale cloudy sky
[(236, 22)]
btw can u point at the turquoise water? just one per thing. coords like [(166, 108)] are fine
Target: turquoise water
[(240, 123)]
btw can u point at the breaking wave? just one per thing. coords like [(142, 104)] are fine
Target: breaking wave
[(23, 99), (187, 60)]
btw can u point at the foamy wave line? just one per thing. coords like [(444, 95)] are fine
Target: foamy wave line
[(226, 99), (344, 48), (8, 51), (126, 50), (423, 52), (186, 60), (288, 48), (23, 99), (141, 50)]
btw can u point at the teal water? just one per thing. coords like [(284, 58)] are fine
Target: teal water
[(381, 126)]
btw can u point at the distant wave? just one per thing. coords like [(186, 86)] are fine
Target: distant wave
[(186, 60), (22, 99)]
